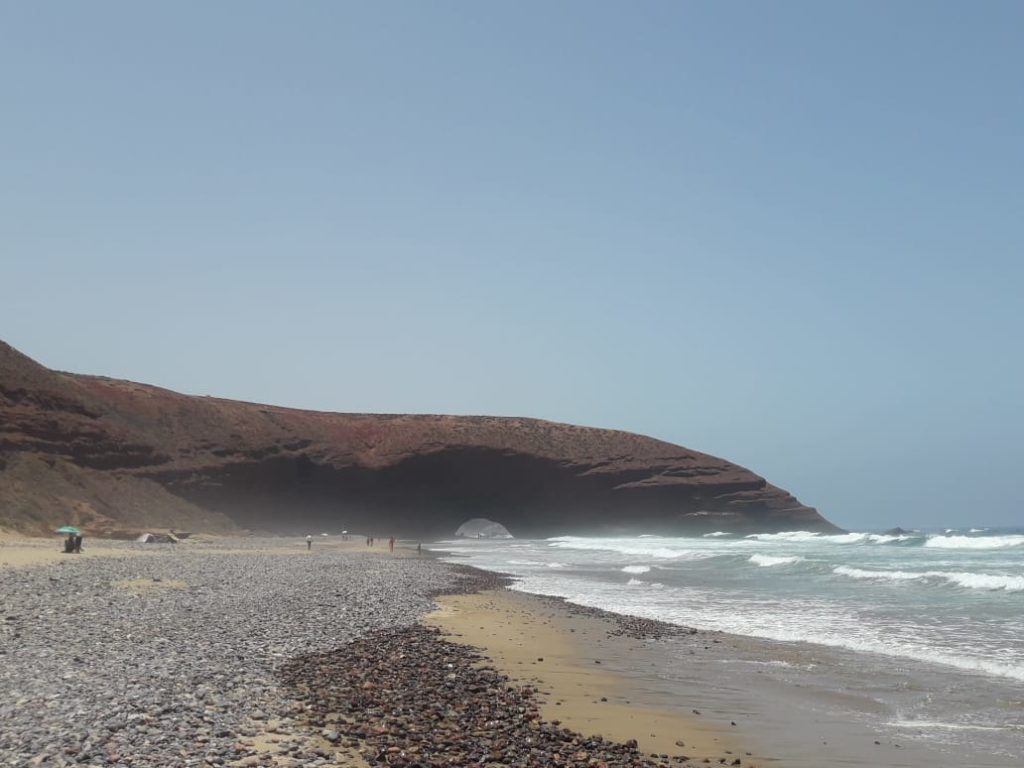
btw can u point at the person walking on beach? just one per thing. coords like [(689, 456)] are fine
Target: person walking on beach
[(419, 548), (78, 543), (391, 544), (309, 542)]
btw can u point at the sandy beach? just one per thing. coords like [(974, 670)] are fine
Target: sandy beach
[(16, 551)]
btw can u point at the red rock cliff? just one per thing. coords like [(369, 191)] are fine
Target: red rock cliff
[(115, 454)]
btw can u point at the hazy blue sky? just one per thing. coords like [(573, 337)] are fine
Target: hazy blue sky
[(790, 234)]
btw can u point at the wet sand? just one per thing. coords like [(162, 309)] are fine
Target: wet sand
[(570, 657)]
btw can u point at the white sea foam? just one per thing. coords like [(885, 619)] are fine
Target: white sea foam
[(883, 538), (635, 582), (786, 536), (636, 569), (859, 573), (848, 538), (802, 536), (634, 548), (766, 561), (716, 534), (924, 724), (987, 581), (557, 565), (975, 542), (758, 663), (957, 578)]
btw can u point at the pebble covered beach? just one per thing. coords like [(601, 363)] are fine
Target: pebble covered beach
[(173, 657)]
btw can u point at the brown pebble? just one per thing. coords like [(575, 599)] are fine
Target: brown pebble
[(420, 684)]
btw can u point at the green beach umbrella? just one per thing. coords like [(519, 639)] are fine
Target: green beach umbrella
[(68, 529)]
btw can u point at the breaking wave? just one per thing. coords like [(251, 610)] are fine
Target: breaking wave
[(798, 537), (631, 547), (636, 569), (766, 561), (947, 726), (975, 542), (956, 578)]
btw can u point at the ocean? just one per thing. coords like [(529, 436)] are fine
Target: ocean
[(922, 632)]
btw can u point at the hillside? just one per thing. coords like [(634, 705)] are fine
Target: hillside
[(111, 454)]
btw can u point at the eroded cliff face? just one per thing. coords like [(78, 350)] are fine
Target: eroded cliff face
[(115, 454)]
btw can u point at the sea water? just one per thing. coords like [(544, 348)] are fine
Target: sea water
[(926, 626)]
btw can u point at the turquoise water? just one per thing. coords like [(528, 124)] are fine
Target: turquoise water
[(945, 609)]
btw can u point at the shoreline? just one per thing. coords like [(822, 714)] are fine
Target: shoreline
[(272, 635), (786, 719), (570, 657), (818, 663)]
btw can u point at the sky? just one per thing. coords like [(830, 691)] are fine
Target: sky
[(790, 234)]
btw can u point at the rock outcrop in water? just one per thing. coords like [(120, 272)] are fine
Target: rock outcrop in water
[(111, 454)]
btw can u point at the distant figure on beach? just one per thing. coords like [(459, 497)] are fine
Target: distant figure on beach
[(78, 543), (391, 544), (419, 548), (309, 542), (69, 544)]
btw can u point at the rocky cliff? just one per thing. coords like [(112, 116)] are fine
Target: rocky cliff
[(112, 454)]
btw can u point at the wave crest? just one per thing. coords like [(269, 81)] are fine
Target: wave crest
[(766, 561), (975, 542), (966, 580)]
